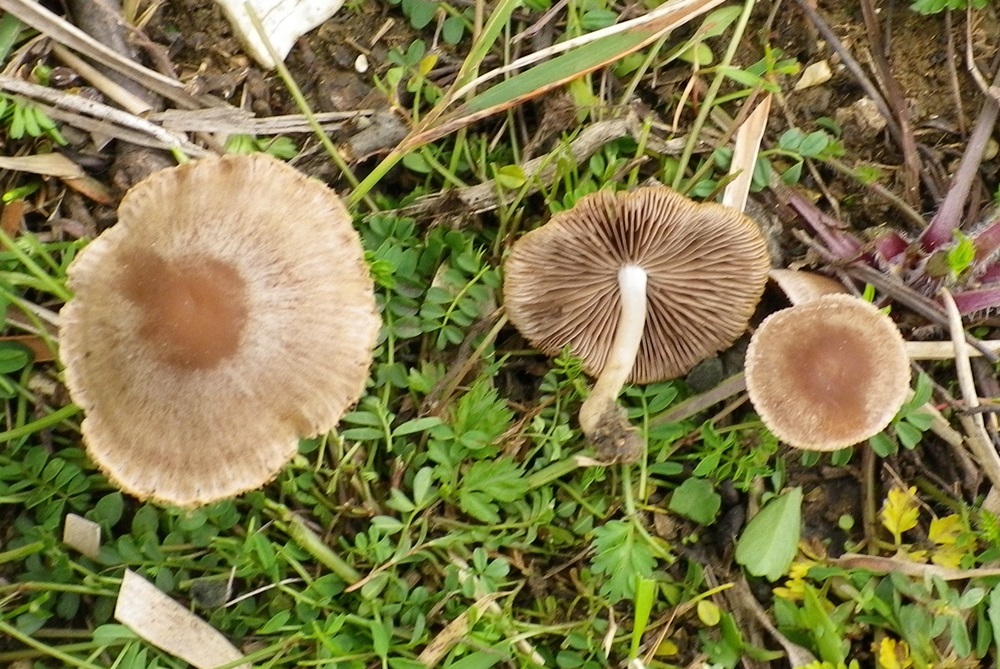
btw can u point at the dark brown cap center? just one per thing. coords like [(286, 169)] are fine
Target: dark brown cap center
[(832, 370), (192, 311)]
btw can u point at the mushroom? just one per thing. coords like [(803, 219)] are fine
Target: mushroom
[(800, 286), (227, 314), (641, 286), (827, 373)]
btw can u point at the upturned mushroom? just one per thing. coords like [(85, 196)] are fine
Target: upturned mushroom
[(228, 313), (827, 373), (641, 286)]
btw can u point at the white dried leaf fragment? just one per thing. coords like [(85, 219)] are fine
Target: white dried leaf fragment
[(284, 21), (83, 535), (814, 75), (163, 622), (745, 152)]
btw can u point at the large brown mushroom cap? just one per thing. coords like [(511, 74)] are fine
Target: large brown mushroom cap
[(828, 373), (228, 313), (707, 265)]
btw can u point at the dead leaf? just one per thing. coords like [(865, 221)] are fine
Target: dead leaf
[(83, 535), (284, 22), (745, 151), (163, 622)]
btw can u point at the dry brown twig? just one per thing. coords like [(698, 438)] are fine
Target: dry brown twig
[(897, 103), (101, 112), (486, 196), (866, 84), (238, 121), (111, 89)]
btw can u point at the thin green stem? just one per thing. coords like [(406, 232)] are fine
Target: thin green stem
[(18, 554), (303, 105), (50, 284), (13, 633), (627, 489), (469, 70), (38, 586), (710, 96), (447, 174), (52, 419), (313, 545), (555, 471), (179, 155)]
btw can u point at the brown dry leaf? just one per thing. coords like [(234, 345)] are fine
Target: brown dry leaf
[(46, 164), (83, 535), (58, 165), (163, 622), (814, 75), (454, 632), (41, 351), (11, 217), (92, 189)]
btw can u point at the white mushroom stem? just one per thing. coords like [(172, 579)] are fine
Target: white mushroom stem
[(624, 349)]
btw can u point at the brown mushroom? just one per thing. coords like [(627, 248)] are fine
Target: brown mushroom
[(641, 286), (828, 373), (800, 286), (228, 313)]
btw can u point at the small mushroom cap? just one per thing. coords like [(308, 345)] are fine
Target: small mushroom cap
[(228, 313), (800, 286), (706, 268), (828, 373)]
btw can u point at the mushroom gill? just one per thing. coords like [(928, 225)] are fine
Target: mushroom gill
[(641, 286)]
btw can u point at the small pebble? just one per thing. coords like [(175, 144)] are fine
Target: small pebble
[(361, 63)]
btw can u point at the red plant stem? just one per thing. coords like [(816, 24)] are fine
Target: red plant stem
[(987, 239), (949, 216), (982, 300), (843, 245)]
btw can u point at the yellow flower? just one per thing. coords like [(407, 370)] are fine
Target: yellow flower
[(894, 654), (948, 556), (899, 512), (945, 531), (796, 584)]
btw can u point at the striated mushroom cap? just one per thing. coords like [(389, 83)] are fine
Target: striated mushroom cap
[(828, 373), (707, 265), (228, 313)]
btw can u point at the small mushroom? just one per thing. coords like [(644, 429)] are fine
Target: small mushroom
[(827, 373), (800, 286), (228, 313), (641, 286)]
